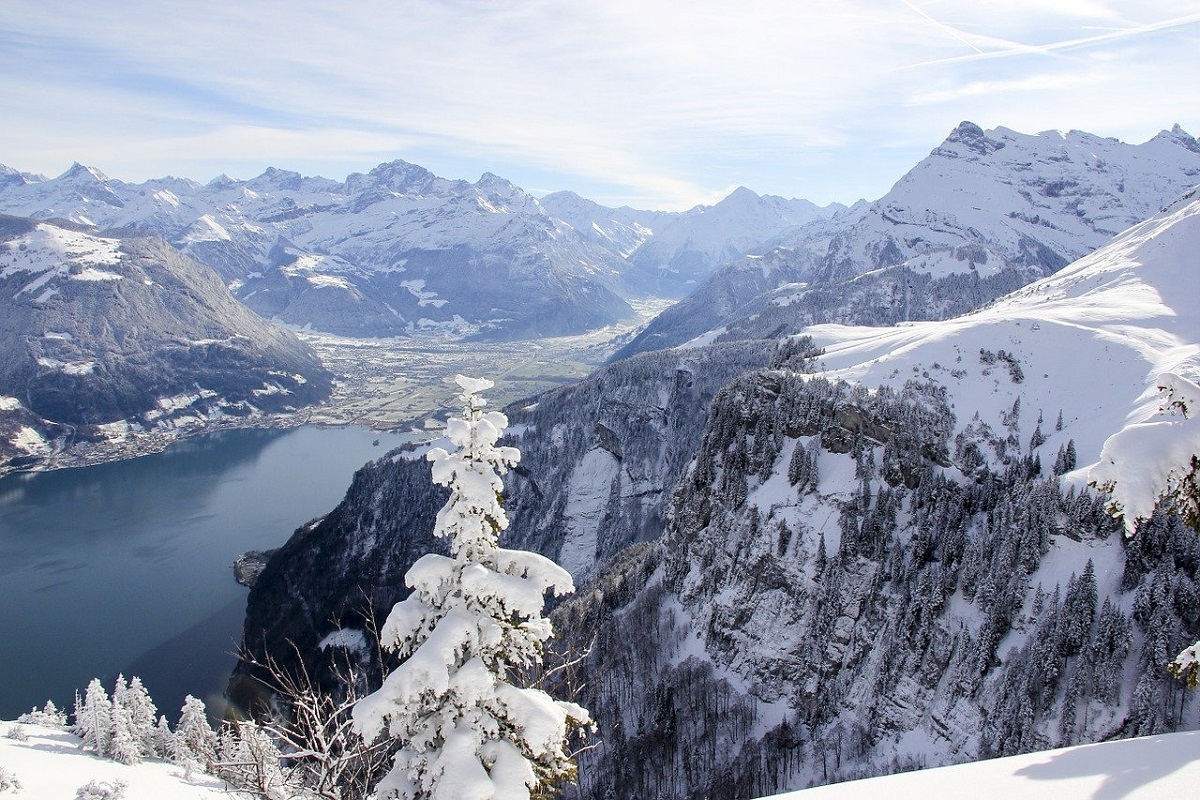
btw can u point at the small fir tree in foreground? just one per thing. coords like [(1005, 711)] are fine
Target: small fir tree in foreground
[(466, 731)]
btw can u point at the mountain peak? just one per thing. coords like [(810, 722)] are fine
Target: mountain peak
[(278, 178), (397, 175), (741, 195), (1177, 135), (972, 137), (78, 171), (222, 181), (490, 180)]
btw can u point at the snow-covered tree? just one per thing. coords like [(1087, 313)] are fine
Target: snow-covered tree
[(249, 759), (164, 739), (142, 712), (466, 730), (124, 745), (48, 717), (195, 742), (93, 718)]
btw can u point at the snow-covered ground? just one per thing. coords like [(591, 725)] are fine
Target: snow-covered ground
[(1163, 767), (1102, 340), (51, 765)]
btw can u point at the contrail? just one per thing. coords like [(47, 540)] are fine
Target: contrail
[(1049, 49), (948, 29)]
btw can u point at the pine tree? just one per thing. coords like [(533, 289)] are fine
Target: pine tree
[(93, 718), (142, 713), (124, 745), (466, 731), (164, 739), (195, 742)]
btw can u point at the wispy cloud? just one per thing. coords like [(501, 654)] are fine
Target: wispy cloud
[(663, 102)]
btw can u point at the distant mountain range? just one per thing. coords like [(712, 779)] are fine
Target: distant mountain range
[(106, 336), (399, 250), (984, 213)]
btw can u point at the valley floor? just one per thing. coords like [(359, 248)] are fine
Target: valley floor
[(396, 384)]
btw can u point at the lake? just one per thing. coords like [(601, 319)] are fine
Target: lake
[(126, 567)]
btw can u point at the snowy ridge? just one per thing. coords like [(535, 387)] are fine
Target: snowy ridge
[(1095, 340), (983, 214), (986, 199)]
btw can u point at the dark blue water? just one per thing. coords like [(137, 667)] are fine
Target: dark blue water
[(125, 567)]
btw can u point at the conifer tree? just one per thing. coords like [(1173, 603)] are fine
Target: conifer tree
[(93, 718), (144, 712), (466, 731), (195, 742), (124, 746)]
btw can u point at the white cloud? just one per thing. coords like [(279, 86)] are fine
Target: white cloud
[(658, 99)]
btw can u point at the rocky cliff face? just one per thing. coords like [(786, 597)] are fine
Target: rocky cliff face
[(831, 602), (107, 336), (599, 462)]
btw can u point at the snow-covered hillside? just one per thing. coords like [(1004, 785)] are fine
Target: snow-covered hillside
[(894, 560), (1163, 767), (107, 336), (1100, 340), (50, 764)]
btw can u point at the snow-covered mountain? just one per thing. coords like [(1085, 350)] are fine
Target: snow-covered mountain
[(984, 213), (108, 335), (989, 200), (383, 253), (881, 557), (685, 250), (621, 230), (896, 562)]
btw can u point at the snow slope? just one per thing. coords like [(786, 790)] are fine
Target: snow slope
[(1097, 338), (1163, 767), (51, 765)]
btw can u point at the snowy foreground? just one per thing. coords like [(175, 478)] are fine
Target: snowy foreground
[(1160, 767), (50, 764)]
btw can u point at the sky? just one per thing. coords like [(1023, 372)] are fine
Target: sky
[(660, 104)]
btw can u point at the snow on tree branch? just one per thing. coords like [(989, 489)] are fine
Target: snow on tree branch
[(466, 730), (1156, 459)]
